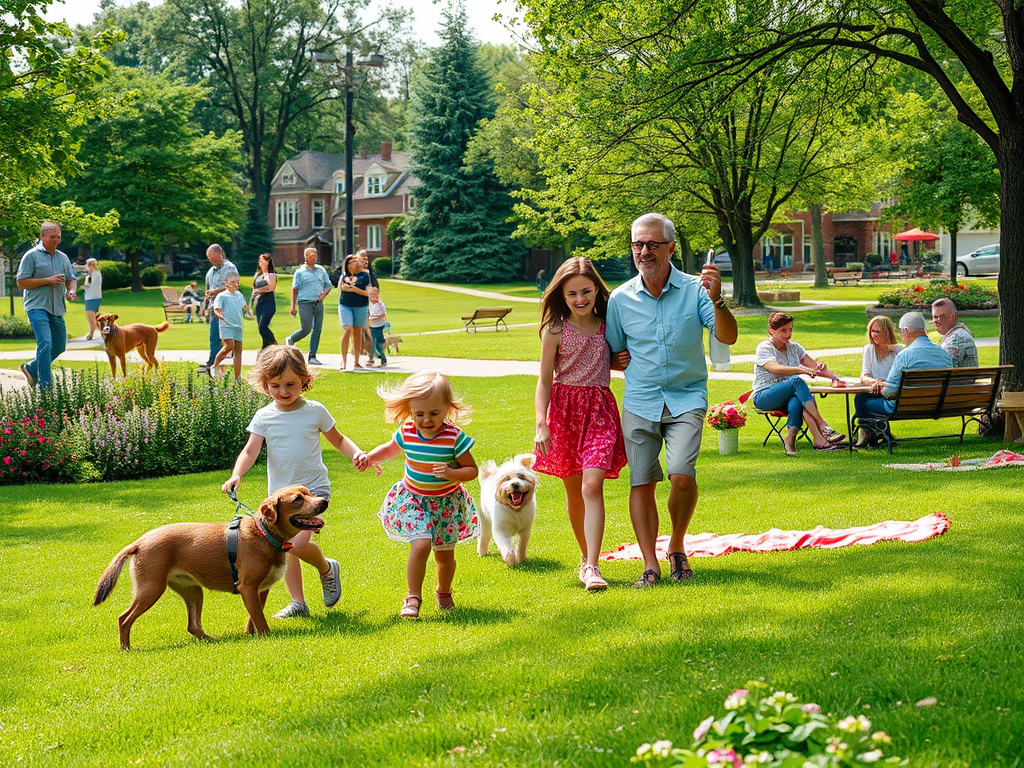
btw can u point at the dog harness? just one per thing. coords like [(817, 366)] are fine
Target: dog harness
[(232, 538)]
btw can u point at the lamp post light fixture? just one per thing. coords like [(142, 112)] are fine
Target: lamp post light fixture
[(345, 77)]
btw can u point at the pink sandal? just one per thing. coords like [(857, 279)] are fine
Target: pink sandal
[(411, 607), (444, 600)]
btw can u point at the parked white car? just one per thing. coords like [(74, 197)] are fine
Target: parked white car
[(984, 261)]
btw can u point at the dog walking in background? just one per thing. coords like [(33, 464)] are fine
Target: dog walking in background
[(508, 506), (119, 340), (190, 556)]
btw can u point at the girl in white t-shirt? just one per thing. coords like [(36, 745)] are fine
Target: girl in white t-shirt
[(292, 426)]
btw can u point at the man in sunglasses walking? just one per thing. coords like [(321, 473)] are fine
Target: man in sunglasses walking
[(656, 321)]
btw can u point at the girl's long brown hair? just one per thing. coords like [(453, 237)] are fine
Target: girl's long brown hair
[(553, 309)]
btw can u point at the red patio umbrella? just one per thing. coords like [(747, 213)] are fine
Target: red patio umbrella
[(914, 235)]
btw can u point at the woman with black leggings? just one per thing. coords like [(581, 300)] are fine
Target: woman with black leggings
[(265, 304)]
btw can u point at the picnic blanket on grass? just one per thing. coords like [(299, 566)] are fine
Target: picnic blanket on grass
[(775, 540), (956, 464)]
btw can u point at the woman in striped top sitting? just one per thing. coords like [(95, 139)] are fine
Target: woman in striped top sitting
[(428, 507)]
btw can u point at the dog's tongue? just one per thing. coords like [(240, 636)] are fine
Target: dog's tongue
[(517, 499)]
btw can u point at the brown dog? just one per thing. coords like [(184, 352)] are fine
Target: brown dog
[(392, 341), (119, 340), (189, 556)]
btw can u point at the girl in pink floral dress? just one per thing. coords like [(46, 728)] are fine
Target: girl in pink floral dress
[(579, 436), (428, 508)]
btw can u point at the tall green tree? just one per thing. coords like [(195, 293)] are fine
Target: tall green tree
[(458, 230), (257, 237), (170, 183), (47, 89), (622, 132)]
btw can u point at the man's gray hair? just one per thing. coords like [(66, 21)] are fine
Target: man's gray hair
[(656, 218), (947, 304), (912, 321), (48, 226), (215, 247)]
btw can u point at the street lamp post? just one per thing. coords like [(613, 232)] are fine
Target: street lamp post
[(346, 79)]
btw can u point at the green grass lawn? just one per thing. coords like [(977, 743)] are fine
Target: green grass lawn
[(529, 669)]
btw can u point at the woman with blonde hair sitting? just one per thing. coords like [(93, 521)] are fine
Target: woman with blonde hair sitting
[(879, 354)]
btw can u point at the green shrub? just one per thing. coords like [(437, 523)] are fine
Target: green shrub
[(855, 265), (382, 266), (116, 274), (920, 295), (873, 259), (145, 425), (152, 277), (15, 327)]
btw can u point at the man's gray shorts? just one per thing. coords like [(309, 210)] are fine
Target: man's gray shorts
[(681, 436)]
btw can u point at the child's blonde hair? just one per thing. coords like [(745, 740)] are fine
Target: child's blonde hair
[(419, 386), (273, 362)]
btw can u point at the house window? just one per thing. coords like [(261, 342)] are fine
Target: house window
[(375, 185), (318, 214), (883, 244), (287, 215), (373, 237), (781, 246), (288, 180)]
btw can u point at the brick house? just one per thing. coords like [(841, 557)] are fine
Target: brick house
[(307, 203), (848, 236)]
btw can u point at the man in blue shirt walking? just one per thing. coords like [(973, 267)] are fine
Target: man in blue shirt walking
[(918, 354), (216, 282), (658, 318), (46, 277), (310, 286)]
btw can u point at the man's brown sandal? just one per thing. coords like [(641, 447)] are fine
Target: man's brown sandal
[(649, 579), (411, 607), (679, 566), (444, 600)]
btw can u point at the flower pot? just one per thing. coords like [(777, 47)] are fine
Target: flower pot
[(728, 442)]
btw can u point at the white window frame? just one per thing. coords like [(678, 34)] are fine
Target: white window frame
[(884, 245), (375, 185), (373, 237), (287, 179), (783, 248), (286, 214), (318, 210)]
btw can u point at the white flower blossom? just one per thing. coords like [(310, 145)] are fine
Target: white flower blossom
[(662, 748), (871, 757)]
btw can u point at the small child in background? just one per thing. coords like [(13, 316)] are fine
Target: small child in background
[(377, 319), (291, 426), (579, 435), (229, 307), (428, 507)]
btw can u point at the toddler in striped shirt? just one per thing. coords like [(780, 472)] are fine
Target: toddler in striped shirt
[(428, 508)]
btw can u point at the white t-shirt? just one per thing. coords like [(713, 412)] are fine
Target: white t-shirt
[(377, 312), (293, 445), (767, 352), (93, 285), (875, 368)]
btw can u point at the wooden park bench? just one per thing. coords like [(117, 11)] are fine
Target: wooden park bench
[(497, 314), (174, 310), (942, 393), (844, 276)]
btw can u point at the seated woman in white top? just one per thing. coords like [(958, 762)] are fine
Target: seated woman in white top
[(879, 352), (779, 361)]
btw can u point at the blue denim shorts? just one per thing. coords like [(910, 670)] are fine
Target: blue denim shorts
[(352, 316), (92, 305)]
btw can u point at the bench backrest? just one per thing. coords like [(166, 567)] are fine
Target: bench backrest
[(941, 392), (485, 313), (170, 295)]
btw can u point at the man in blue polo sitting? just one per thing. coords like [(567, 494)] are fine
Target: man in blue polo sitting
[(918, 353)]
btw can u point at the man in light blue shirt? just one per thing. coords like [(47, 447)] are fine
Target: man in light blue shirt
[(216, 282), (918, 354), (310, 286), (658, 318), (46, 277)]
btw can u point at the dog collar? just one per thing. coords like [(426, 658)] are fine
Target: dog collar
[(284, 546)]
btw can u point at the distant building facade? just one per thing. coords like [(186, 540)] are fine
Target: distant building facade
[(307, 203)]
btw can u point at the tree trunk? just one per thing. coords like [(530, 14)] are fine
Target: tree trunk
[(952, 255), (686, 256), (1011, 254), (744, 289), (133, 260), (818, 247)]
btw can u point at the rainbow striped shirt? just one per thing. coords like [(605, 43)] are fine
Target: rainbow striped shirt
[(421, 454)]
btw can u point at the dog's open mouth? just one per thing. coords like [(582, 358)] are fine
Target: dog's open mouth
[(516, 499), (307, 523)]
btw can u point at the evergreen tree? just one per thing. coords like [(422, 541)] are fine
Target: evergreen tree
[(256, 238), (458, 230)]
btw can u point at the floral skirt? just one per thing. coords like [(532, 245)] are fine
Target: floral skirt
[(445, 520), (586, 433)]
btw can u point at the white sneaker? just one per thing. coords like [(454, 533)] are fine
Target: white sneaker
[(594, 581), (293, 610), (331, 585)]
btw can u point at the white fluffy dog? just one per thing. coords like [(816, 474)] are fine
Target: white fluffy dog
[(508, 506)]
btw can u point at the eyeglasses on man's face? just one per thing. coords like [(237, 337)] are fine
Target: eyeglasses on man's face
[(652, 245)]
